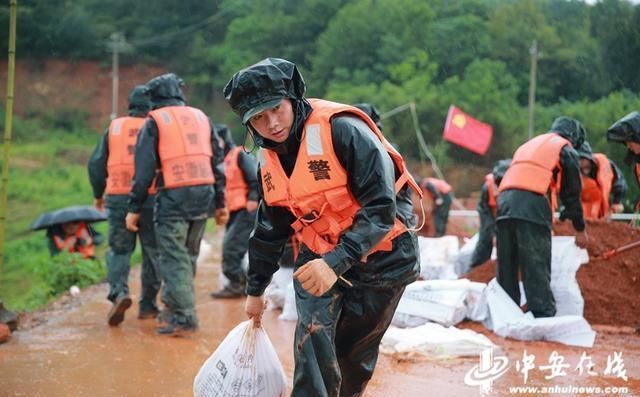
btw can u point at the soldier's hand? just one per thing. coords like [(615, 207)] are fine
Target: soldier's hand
[(316, 277), (222, 216), (252, 205), (132, 221), (617, 208), (254, 308), (99, 204), (582, 239)]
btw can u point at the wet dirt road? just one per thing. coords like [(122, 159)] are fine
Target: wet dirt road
[(74, 353)]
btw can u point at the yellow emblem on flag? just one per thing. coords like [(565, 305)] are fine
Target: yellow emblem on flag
[(459, 120)]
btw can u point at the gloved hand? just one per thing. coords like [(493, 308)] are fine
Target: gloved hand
[(254, 308), (252, 205), (582, 239), (132, 221), (222, 216), (316, 277), (99, 204)]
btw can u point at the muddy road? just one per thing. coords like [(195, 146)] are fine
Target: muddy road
[(68, 350)]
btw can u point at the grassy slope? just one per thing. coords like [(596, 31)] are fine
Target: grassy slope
[(47, 171)]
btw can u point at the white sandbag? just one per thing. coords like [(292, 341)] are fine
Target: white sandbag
[(403, 320), (476, 305), (472, 303), (289, 311), (507, 320), (275, 292), (433, 341), (274, 297), (244, 364), (205, 253), (462, 261), (282, 277), (440, 301), (436, 257), (566, 258)]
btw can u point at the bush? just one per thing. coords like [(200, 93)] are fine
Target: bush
[(67, 269)]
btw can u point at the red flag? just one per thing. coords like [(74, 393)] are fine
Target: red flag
[(465, 131)]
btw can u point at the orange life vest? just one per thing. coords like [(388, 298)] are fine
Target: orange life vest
[(184, 146), (595, 192), (121, 140), (440, 185), (533, 166), (70, 243), (492, 191), (236, 190), (317, 193)]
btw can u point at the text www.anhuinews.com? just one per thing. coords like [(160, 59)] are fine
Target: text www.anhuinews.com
[(557, 389)]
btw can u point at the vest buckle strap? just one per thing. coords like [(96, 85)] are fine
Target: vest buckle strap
[(310, 217), (305, 220)]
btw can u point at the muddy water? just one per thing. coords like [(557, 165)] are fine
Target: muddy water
[(76, 354)]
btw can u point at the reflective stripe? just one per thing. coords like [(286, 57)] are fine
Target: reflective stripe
[(165, 117), (261, 158), (313, 139), (117, 123)]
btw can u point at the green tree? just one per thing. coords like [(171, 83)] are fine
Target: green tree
[(365, 37), (254, 35), (513, 27), (458, 35), (616, 25)]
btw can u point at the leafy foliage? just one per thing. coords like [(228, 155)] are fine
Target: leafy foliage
[(67, 269)]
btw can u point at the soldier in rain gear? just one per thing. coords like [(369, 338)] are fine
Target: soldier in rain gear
[(179, 144), (242, 198), (327, 174), (111, 171), (542, 168), (75, 237), (627, 131), (487, 210), (603, 185), (439, 192)]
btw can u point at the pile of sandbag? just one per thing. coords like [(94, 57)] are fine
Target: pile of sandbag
[(506, 319), (446, 302)]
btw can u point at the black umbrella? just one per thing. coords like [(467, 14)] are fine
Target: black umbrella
[(75, 213)]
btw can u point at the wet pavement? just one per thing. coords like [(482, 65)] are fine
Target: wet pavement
[(74, 353)]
